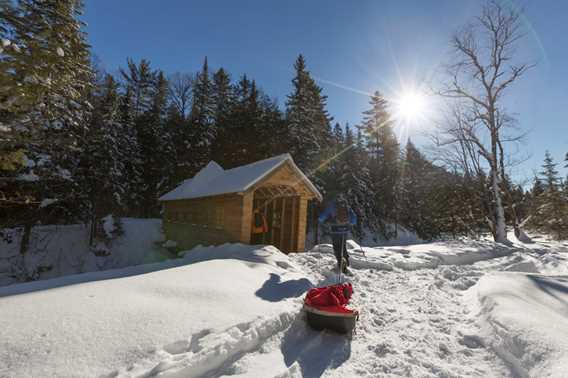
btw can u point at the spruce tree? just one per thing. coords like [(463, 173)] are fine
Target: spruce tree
[(384, 162), (224, 102), (46, 77), (131, 154), (157, 149), (308, 123), (139, 79), (550, 212), (202, 116), (103, 160)]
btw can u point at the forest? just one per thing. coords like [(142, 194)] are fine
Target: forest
[(78, 143)]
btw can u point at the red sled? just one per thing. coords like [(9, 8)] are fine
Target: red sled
[(326, 308)]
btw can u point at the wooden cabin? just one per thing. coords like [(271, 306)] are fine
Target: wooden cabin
[(260, 203)]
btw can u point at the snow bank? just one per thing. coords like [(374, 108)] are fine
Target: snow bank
[(420, 256), (63, 249), (526, 318), (148, 319)]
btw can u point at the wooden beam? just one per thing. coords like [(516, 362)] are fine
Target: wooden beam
[(273, 205), (293, 238), (265, 212), (282, 224)]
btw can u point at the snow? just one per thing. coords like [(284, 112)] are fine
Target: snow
[(109, 226), (170, 244), (166, 317), (29, 177), (65, 249), (47, 202), (213, 180), (526, 317), (446, 309)]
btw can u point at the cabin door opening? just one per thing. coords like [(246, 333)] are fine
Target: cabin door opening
[(275, 222)]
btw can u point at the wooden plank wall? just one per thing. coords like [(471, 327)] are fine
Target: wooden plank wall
[(190, 232)]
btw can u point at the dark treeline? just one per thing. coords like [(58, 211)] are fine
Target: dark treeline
[(78, 143)]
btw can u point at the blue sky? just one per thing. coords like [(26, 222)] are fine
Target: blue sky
[(352, 47)]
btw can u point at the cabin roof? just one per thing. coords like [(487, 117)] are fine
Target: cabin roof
[(213, 180)]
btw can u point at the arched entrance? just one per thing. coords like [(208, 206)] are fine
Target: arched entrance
[(276, 217)]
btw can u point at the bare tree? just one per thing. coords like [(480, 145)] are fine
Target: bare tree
[(180, 92), (478, 80)]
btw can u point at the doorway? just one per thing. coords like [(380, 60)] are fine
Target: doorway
[(275, 221)]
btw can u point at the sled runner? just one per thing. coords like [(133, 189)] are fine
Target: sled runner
[(326, 308)]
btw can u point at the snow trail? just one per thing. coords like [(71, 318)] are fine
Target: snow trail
[(413, 323)]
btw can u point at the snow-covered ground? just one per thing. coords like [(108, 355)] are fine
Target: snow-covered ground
[(62, 250), (446, 309)]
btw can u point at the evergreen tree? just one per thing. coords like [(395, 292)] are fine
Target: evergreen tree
[(146, 104), (550, 211), (157, 149), (202, 116), (223, 98), (103, 160), (46, 77), (355, 182), (384, 162), (338, 138), (131, 153), (140, 82), (308, 123)]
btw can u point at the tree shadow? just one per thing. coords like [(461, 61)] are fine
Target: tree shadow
[(273, 290), (314, 352), (552, 286)]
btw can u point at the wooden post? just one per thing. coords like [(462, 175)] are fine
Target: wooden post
[(273, 204), (302, 218), (246, 216), (293, 233), (265, 214), (282, 224)]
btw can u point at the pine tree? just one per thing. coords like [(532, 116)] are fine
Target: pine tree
[(308, 123), (355, 182), (223, 98), (550, 211), (154, 159), (202, 116), (46, 77), (140, 82), (413, 191), (384, 162), (132, 156), (338, 138), (157, 149), (103, 160)]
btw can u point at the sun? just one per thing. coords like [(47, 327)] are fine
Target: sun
[(410, 106)]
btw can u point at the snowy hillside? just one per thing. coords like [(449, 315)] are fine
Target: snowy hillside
[(63, 249), (460, 308)]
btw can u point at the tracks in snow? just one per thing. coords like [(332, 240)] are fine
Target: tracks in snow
[(206, 352), (413, 323)]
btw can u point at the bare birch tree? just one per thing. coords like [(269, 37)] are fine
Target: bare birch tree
[(479, 78)]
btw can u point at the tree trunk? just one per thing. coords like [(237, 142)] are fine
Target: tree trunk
[(25, 240), (500, 225)]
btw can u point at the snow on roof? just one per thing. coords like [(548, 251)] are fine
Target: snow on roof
[(214, 180)]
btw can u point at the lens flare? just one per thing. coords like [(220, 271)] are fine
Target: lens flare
[(410, 106)]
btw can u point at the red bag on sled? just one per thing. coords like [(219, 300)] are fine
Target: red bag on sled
[(326, 308)]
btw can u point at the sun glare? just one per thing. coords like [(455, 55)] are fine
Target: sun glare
[(410, 106)]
